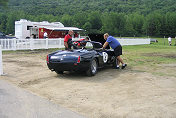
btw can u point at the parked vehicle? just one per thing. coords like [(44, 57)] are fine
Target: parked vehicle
[(3, 36), (87, 59), (154, 40)]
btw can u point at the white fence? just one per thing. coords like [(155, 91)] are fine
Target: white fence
[(136, 41), (26, 44)]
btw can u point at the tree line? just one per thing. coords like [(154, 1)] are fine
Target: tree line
[(3, 2), (117, 17), (117, 24), (71, 7)]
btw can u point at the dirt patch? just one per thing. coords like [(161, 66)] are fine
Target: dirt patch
[(23, 63), (160, 55), (134, 92)]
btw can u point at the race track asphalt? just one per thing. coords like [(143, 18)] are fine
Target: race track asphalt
[(18, 103)]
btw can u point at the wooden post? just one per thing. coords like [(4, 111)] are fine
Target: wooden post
[(46, 43)]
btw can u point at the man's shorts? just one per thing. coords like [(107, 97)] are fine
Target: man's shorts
[(118, 50)]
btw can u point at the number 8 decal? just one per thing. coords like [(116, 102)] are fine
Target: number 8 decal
[(105, 57)]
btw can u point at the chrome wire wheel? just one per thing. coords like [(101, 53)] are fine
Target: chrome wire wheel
[(94, 66)]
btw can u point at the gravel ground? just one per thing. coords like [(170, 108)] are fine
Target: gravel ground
[(129, 93)]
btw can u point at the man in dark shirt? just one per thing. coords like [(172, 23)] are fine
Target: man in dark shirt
[(68, 40), (114, 43)]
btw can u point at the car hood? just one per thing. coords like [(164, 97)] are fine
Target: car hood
[(98, 38)]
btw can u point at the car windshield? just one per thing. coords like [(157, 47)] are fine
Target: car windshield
[(87, 44), (93, 45)]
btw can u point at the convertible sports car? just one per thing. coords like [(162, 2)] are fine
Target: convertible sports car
[(87, 59)]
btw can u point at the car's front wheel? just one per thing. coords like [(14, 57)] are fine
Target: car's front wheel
[(59, 72), (92, 68)]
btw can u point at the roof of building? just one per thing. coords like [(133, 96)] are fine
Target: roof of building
[(63, 28)]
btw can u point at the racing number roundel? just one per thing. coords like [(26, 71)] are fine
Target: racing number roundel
[(105, 57)]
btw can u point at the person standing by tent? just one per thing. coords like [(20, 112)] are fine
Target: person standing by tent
[(45, 35), (114, 43), (68, 40)]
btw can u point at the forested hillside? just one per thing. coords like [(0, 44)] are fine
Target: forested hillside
[(60, 7), (118, 17)]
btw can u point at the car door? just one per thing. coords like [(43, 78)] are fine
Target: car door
[(103, 57)]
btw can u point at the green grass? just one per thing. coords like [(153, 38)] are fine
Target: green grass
[(152, 58), (155, 53)]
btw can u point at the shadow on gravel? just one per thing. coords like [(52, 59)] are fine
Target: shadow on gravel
[(103, 75)]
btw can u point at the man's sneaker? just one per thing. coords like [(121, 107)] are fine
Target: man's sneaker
[(116, 67), (124, 65)]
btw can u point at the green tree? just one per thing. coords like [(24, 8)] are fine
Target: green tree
[(79, 19), (67, 20), (138, 22), (113, 23), (3, 2), (95, 20), (170, 19), (87, 27), (129, 28), (153, 24), (3, 20), (10, 24)]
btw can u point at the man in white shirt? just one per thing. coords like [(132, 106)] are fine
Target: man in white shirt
[(170, 40), (45, 35)]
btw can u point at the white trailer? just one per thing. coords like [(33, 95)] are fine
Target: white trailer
[(25, 28)]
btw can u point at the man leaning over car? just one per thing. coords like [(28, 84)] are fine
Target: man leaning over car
[(68, 40), (114, 43)]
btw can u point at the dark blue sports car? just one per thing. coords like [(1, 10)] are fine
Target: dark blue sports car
[(86, 59)]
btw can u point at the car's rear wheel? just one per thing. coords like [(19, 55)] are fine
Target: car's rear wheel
[(92, 68), (59, 72)]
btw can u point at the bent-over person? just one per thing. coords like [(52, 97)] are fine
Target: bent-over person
[(114, 43)]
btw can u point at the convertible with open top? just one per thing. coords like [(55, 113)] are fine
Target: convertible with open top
[(87, 59)]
